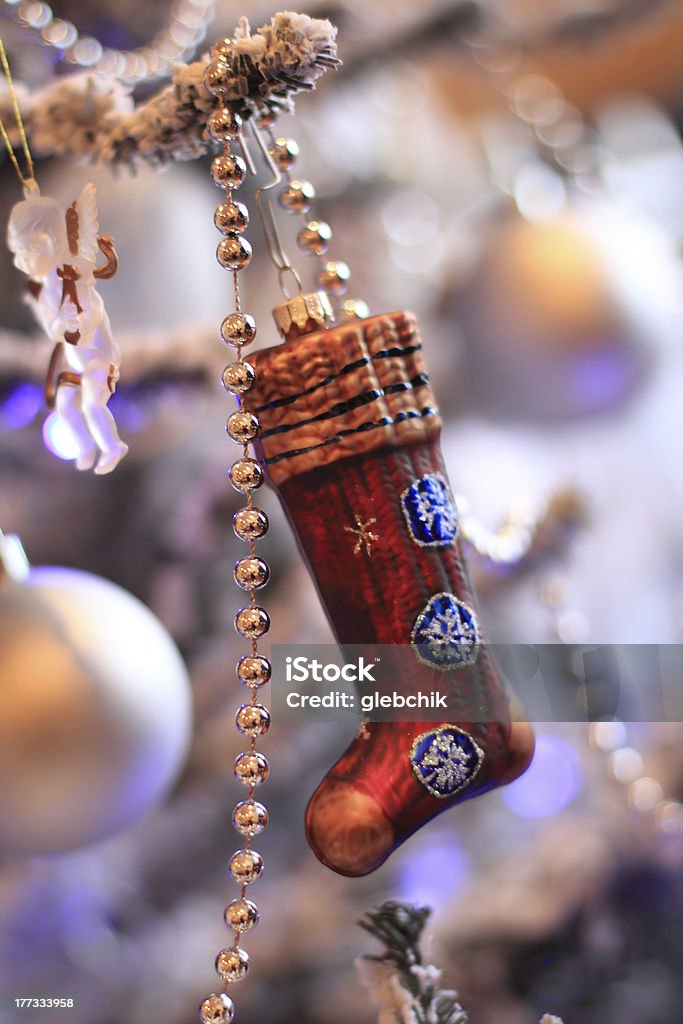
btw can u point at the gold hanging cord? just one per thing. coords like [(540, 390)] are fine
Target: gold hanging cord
[(28, 180)]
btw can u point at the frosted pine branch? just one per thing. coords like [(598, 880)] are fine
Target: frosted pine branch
[(93, 118), (406, 990)]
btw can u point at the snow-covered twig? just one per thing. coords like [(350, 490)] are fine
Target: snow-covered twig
[(93, 118), (407, 990)]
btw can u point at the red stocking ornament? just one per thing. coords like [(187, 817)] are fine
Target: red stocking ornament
[(350, 440)]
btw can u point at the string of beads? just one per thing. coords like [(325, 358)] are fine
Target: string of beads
[(250, 524)]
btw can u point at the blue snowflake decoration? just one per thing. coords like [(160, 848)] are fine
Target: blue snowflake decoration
[(430, 512), (446, 634), (445, 760)]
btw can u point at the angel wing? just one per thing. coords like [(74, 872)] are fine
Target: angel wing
[(86, 224)]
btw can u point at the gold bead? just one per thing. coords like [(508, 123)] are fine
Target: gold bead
[(246, 475), (246, 866), (315, 237), (250, 523), (224, 124), (233, 252), (238, 329), (228, 170), (251, 573), (253, 670), (238, 377), (222, 48), (251, 769), (253, 720), (267, 117), (354, 309), (242, 426), (334, 276), (232, 964), (284, 153), (217, 1008), (231, 218), (298, 196), (241, 915), (252, 622), (218, 77), (249, 817)]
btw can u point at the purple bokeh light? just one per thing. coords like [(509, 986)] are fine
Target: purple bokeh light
[(550, 783), (604, 377), (20, 405), (432, 872), (59, 438)]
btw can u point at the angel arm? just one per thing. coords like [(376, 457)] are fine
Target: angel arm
[(108, 269)]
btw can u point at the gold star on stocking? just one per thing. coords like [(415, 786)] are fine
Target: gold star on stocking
[(365, 537)]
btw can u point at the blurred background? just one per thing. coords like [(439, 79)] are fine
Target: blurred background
[(512, 172)]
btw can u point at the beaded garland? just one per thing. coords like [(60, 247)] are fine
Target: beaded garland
[(315, 236), (250, 523)]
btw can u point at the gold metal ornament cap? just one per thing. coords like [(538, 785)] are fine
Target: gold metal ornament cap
[(303, 314)]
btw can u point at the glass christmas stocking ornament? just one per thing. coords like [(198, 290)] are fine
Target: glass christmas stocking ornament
[(350, 440)]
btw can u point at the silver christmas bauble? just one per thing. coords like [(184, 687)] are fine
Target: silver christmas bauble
[(562, 317), (95, 711)]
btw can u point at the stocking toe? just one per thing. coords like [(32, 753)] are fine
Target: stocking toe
[(347, 829)]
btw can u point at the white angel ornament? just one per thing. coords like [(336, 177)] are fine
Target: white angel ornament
[(58, 249)]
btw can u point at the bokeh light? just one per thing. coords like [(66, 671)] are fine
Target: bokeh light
[(59, 439), (19, 404), (432, 872), (550, 784)]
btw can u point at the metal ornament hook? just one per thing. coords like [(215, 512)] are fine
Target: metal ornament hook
[(266, 215), (283, 286)]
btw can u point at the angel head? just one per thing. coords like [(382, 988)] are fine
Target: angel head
[(36, 234)]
